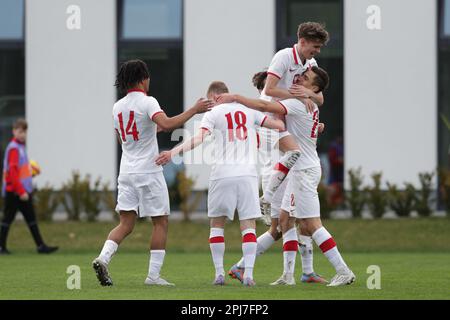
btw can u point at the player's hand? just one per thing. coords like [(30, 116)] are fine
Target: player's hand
[(163, 158), (24, 197), (300, 91), (321, 127), (225, 98), (202, 105)]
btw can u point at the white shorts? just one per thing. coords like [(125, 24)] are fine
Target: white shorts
[(277, 199), (144, 193), (234, 193), (301, 198)]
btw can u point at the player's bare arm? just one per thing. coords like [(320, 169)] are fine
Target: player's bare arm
[(272, 90), (165, 156), (118, 136), (167, 124), (256, 104), (275, 124)]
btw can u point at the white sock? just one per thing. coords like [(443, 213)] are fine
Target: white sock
[(109, 249), (249, 250), (217, 246), (326, 243), (263, 243), (280, 172), (156, 262), (290, 247), (306, 253)]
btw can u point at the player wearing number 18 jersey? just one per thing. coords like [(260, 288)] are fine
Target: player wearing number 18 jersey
[(142, 190), (233, 182), (301, 199)]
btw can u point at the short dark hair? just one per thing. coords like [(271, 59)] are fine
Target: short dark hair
[(321, 79), (217, 87), (20, 123), (259, 79), (313, 31), (130, 74)]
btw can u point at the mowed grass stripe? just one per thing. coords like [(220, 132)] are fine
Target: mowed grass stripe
[(356, 235), (403, 276)]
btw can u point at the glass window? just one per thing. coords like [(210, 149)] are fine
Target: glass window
[(151, 19), (12, 93), (446, 18), (444, 109), (328, 12), (11, 19), (443, 92)]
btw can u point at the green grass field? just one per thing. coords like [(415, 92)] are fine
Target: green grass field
[(413, 255)]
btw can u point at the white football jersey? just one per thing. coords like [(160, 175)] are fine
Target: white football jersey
[(234, 129), (133, 116), (285, 65), (303, 126)]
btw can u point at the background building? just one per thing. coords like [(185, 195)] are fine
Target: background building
[(389, 62)]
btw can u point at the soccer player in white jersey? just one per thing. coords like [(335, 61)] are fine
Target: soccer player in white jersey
[(233, 182), (285, 67), (142, 190), (267, 239), (301, 199)]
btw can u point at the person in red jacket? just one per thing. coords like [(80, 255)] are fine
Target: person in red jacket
[(17, 189)]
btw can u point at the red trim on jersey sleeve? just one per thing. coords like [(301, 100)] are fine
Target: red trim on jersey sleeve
[(274, 74), (158, 112), (137, 90), (204, 128), (264, 120), (13, 180), (295, 55), (285, 109)]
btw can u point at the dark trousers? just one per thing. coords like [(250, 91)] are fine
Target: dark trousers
[(12, 205)]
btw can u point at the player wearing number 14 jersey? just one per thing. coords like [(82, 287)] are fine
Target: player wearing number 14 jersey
[(142, 190), (233, 184)]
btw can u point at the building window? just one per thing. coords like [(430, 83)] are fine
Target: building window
[(11, 19), (291, 13), (151, 30), (155, 19), (445, 18), (443, 85), (12, 66)]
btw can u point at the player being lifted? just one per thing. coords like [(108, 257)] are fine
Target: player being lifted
[(142, 190), (286, 65), (266, 240), (233, 184), (301, 199)]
